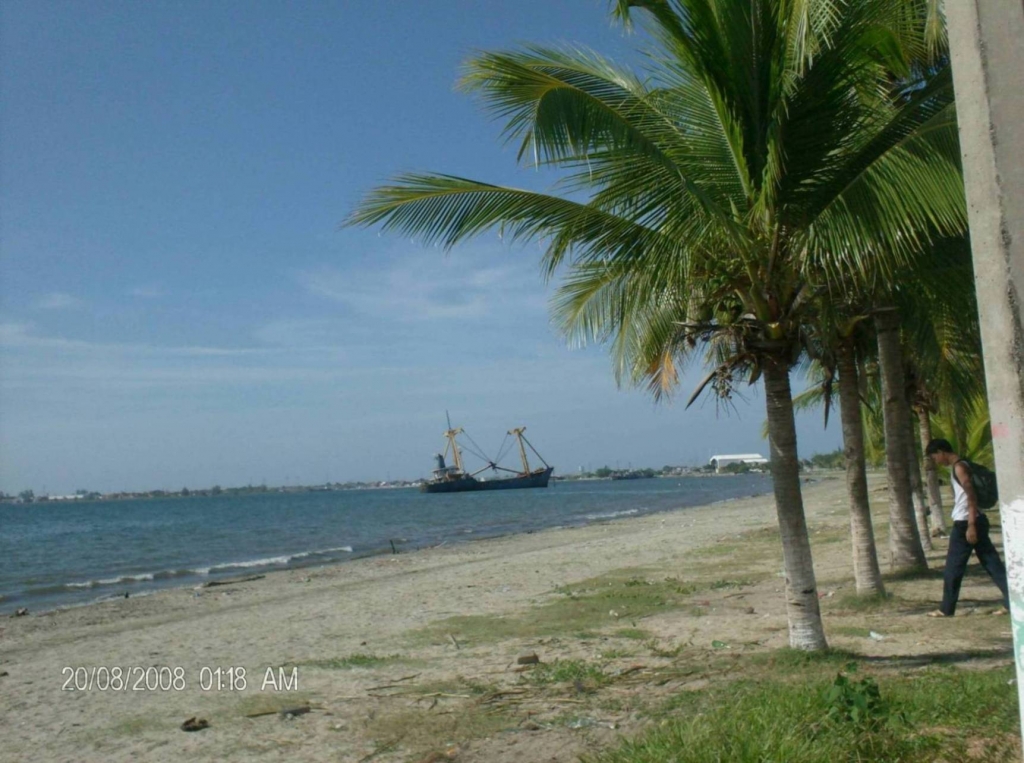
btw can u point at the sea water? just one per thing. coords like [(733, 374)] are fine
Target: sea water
[(58, 554)]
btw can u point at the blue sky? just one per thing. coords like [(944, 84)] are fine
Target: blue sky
[(178, 306)]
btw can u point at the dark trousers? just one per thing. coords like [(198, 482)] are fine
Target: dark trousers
[(958, 556)]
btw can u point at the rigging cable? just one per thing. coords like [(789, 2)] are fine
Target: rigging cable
[(502, 451), (478, 450)]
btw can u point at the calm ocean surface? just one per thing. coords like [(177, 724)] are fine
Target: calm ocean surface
[(54, 554)]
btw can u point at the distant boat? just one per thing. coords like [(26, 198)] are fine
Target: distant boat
[(455, 478), (631, 476)]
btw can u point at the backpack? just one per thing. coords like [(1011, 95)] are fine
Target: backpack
[(986, 490)]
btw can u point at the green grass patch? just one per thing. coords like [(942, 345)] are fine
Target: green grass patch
[(460, 685), (718, 549), (638, 634), (756, 546), (800, 662), (657, 650), (859, 603), (620, 598), (420, 730), (718, 585), (358, 661), (617, 654), (827, 534), (764, 534), (633, 582), (584, 676), (801, 709), (682, 587), (911, 575), (626, 576)]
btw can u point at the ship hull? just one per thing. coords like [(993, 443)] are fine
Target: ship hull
[(538, 478)]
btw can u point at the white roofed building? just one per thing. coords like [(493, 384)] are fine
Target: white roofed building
[(722, 461)]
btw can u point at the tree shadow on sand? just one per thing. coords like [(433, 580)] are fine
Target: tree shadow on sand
[(1000, 651)]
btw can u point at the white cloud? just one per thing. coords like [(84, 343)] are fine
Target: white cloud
[(24, 336), (36, 363), (307, 334), (57, 300), (431, 288)]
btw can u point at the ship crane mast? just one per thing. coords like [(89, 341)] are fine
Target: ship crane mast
[(452, 445), (521, 438)]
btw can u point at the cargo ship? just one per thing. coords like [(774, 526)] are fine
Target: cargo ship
[(455, 479)]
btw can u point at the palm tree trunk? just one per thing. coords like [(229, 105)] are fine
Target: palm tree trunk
[(866, 573), (931, 473), (917, 486), (805, 628), (905, 551)]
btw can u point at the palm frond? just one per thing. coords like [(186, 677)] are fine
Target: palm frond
[(446, 210), (898, 193)]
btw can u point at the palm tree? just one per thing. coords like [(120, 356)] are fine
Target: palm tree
[(921, 506), (867, 574), (931, 474), (940, 336), (764, 153), (906, 553), (837, 348), (941, 364)]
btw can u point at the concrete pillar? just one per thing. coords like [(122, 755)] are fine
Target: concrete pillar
[(986, 39)]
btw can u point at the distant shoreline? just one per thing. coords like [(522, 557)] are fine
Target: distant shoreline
[(89, 496)]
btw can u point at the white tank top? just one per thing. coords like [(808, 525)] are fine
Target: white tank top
[(961, 511)]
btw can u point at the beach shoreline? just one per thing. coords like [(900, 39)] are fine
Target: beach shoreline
[(271, 574), (53, 589), (448, 616)]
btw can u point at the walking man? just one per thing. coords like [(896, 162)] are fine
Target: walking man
[(970, 533)]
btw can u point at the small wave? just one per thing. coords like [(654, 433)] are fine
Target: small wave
[(143, 577), (272, 561), (267, 562), (113, 581), (322, 552), (45, 589), (613, 514), (146, 577)]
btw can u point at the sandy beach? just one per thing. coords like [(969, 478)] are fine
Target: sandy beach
[(413, 657)]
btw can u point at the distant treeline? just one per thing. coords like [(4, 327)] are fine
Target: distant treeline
[(28, 496), (833, 460)]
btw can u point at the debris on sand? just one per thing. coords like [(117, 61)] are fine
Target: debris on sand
[(195, 724), (288, 712), (232, 581)]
